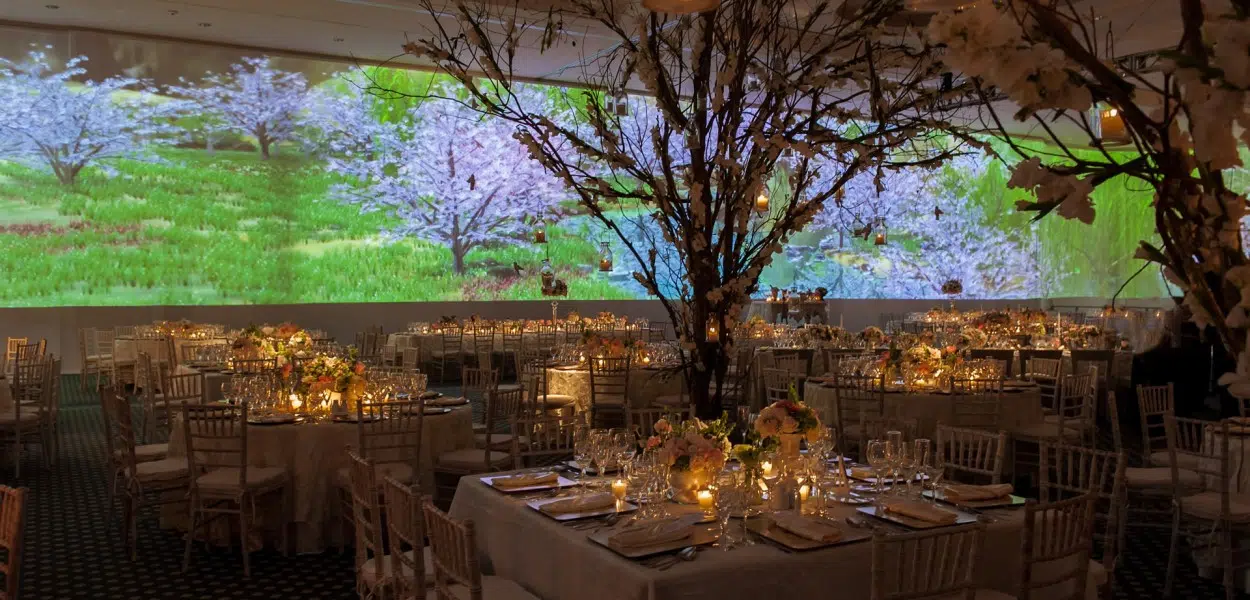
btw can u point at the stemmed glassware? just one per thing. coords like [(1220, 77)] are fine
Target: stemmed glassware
[(909, 464), (894, 455), (878, 461), (931, 467), (583, 446), (728, 498)]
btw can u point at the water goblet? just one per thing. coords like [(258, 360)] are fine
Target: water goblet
[(909, 465), (923, 448), (878, 461)]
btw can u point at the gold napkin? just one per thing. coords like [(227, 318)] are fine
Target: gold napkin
[(973, 493), (815, 530), (444, 401), (652, 533), (923, 512), (525, 480), (579, 504), (864, 473)]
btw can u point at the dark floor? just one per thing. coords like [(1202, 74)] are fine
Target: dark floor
[(71, 552)]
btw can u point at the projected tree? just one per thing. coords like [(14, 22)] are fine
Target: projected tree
[(46, 117), (252, 99), (1177, 118), (734, 89), (453, 176)]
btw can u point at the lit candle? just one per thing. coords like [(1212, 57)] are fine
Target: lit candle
[(705, 500), (540, 236), (619, 488), (804, 492), (295, 402), (768, 468), (761, 202), (713, 333)]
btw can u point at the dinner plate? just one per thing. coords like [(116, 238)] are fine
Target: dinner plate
[(353, 418), (560, 483), (961, 518), (272, 420), (1009, 501), (768, 530), (701, 536), (625, 507)]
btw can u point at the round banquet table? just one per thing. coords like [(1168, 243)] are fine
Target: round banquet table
[(313, 452), (1020, 408), (127, 349), (645, 384)]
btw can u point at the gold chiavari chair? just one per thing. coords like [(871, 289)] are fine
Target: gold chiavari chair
[(534, 369), (573, 332), (450, 352), (1006, 356), (12, 526), (792, 362), (10, 353), (657, 331), (94, 362), (176, 390), (255, 366), (545, 337), (512, 336), (1046, 373), (1058, 542), (609, 390), (410, 359), (381, 573), (542, 440), (777, 384), (483, 340), (926, 565), (457, 573), (977, 403), (388, 434), (1217, 514), (856, 398), (475, 384), (504, 407), (468, 461), (641, 421), (1148, 490), (1154, 405), (405, 523), (971, 455), (24, 425), (221, 480), (1072, 423), (1068, 471), (142, 482)]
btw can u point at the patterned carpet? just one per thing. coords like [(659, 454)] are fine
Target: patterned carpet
[(72, 552)]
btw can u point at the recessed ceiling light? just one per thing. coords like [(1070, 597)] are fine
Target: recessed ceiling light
[(205, 24)]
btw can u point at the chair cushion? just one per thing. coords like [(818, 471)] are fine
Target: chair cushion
[(1046, 431), (27, 417), (149, 452), (494, 588), (1098, 572), (1161, 458), (226, 480), (369, 570), (1160, 477), (498, 441), (1207, 506), (556, 400), (471, 459), (400, 472), (161, 470)]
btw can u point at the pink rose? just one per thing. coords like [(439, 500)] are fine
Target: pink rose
[(653, 442), (662, 426)]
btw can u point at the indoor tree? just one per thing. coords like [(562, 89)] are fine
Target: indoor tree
[(738, 95), (1177, 117)]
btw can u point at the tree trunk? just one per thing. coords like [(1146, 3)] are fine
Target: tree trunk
[(706, 386), (264, 147), (457, 255)]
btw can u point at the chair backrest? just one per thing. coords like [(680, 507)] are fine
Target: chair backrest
[(390, 431), (1077, 407), (657, 331), (12, 522), (977, 403), (777, 383), (1154, 404), (29, 376), (481, 380), (87, 345), (1202, 447), (513, 337), (483, 339), (453, 545), (609, 381), (1006, 356), (858, 396), (30, 352), (188, 387), (1082, 360), (406, 527), (252, 366), (540, 439), (938, 563), (1067, 471), (366, 516), (1057, 543), (216, 437), (545, 336), (791, 362), (971, 452), (410, 358), (119, 431), (502, 409), (450, 340), (641, 421)]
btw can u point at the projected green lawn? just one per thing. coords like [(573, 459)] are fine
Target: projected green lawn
[(163, 198)]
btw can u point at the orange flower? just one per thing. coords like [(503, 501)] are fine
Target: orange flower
[(359, 368)]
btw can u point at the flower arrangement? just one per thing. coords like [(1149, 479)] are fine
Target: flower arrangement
[(282, 342), (789, 417), (872, 335), (598, 346), (691, 445), (973, 337), (953, 287), (325, 373)]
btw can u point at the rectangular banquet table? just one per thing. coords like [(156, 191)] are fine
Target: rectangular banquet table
[(556, 562)]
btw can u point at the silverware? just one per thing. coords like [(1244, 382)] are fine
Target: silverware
[(687, 554)]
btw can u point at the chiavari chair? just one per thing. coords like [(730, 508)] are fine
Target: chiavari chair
[(1077, 407), (142, 482), (1068, 471), (969, 455), (187, 388), (222, 482), (641, 421), (485, 459), (1084, 360), (379, 573), (657, 331), (1057, 544), (254, 366), (609, 390), (475, 384), (388, 434), (504, 407), (777, 384), (856, 397), (10, 353), (926, 565), (483, 343), (450, 352), (25, 424), (545, 337), (573, 332), (1046, 373), (1148, 490), (512, 337), (1006, 356), (534, 369), (94, 360), (542, 440), (12, 526), (405, 524), (457, 573), (977, 403), (1214, 516), (410, 359), (1154, 405)]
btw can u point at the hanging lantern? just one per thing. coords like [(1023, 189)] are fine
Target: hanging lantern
[(605, 257), (1107, 125), (680, 7), (540, 232), (880, 239), (548, 274), (761, 201), (713, 330)]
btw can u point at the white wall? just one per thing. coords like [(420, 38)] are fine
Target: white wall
[(60, 325)]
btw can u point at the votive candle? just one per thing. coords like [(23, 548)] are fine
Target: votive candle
[(705, 500), (768, 468), (619, 488)]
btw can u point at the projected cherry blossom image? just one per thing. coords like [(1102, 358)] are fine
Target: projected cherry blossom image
[(224, 178)]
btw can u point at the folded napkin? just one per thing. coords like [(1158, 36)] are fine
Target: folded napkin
[(430, 394), (525, 480), (575, 504), (972, 493), (652, 533), (445, 401), (921, 511), (864, 473), (815, 530)]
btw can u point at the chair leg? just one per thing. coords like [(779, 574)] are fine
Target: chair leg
[(1172, 552), (243, 538), (193, 504), (288, 518), (1226, 550)]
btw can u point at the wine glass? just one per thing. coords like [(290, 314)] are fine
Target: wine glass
[(582, 448), (933, 468), (893, 453), (923, 449), (908, 464), (728, 499), (878, 461)]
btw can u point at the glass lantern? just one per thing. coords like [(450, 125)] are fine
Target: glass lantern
[(605, 257), (761, 202), (540, 232), (547, 273)]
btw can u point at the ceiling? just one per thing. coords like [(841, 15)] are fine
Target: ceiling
[(375, 30)]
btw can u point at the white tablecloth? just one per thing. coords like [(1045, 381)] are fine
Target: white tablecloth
[(556, 562), (644, 385), (313, 453), (1019, 408)]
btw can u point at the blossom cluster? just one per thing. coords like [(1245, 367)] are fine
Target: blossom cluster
[(691, 445)]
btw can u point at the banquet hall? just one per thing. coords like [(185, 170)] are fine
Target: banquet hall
[(624, 299)]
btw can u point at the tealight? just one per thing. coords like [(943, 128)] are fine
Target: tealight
[(705, 500), (768, 468), (620, 488)]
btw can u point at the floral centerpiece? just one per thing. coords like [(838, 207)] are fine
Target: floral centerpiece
[(873, 336), (694, 450), (789, 421), (598, 346), (282, 342), (333, 378)]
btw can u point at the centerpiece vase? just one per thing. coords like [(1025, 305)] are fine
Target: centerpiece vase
[(685, 484), (789, 447)]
